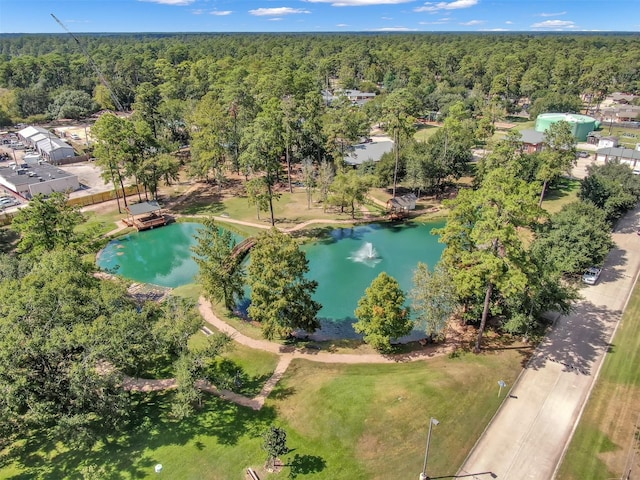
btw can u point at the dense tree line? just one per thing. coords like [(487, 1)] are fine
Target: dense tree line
[(443, 68), (251, 104)]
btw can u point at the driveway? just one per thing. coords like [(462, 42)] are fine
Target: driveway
[(529, 434)]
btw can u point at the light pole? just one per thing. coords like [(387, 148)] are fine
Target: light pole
[(423, 474)]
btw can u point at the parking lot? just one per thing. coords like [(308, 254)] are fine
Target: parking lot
[(88, 173)]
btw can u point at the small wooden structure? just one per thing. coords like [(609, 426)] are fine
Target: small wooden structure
[(399, 207), (242, 248), (145, 215)]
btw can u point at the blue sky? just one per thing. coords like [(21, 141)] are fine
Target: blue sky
[(33, 16)]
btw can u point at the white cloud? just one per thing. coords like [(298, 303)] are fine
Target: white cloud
[(554, 24), (432, 23), (509, 22), (551, 14), (455, 5), (274, 19), (274, 12), (387, 18), (358, 3), (495, 30), (221, 13), (472, 22), (342, 25), (395, 29), (170, 2)]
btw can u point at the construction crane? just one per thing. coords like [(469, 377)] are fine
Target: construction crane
[(94, 65)]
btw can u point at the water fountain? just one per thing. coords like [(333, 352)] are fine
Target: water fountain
[(344, 263), (366, 254)]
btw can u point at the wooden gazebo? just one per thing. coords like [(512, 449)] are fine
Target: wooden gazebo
[(145, 215)]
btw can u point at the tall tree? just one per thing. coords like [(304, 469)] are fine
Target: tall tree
[(433, 298), (309, 179), (349, 189), (558, 157), (484, 253), (280, 294), (117, 149), (221, 275), (612, 187), (381, 313), (47, 224), (575, 238), (211, 123), (52, 345), (344, 125), (263, 145), (325, 179), (398, 110)]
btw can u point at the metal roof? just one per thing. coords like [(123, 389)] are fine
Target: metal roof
[(368, 152), (619, 152), (33, 173), (532, 137), (144, 207)]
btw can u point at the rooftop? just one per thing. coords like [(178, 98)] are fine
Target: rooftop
[(368, 152), (28, 173)]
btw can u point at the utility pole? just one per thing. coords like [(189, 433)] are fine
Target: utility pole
[(94, 65)]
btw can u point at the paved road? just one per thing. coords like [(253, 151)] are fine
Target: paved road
[(529, 434)]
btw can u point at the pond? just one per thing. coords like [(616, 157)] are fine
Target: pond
[(161, 256), (344, 263)]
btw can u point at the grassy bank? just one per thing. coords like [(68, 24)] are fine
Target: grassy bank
[(343, 422)]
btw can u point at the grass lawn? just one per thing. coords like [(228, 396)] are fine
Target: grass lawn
[(102, 223), (565, 192), (289, 210), (628, 137), (608, 432), (343, 422), (425, 132)]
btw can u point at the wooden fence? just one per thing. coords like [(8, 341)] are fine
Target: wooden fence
[(100, 197), (7, 217)]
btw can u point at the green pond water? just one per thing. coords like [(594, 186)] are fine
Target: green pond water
[(343, 263), (161, 256)]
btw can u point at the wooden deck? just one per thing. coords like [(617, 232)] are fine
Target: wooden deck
[(146, 223)]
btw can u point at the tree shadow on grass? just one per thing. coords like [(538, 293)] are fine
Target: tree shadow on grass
[(204, 202), (121, 454), (306, 464), (229, 375)]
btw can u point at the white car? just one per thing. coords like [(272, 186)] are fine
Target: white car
[(591, 275)]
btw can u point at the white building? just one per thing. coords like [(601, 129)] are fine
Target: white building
[(29, 179), (54, 149), (623, 155), (607, 142), (46, 143)]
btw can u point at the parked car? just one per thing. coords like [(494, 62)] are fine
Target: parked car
[(583, 154), (591, 275), (8, 202)]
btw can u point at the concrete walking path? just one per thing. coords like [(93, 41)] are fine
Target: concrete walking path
[(315, 355), (286, 354), (528, 436)]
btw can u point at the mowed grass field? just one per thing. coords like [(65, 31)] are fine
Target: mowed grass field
[(343, 422), (606, 443)]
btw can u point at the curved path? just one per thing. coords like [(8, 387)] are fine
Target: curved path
[(314, 355), (286, 353)]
